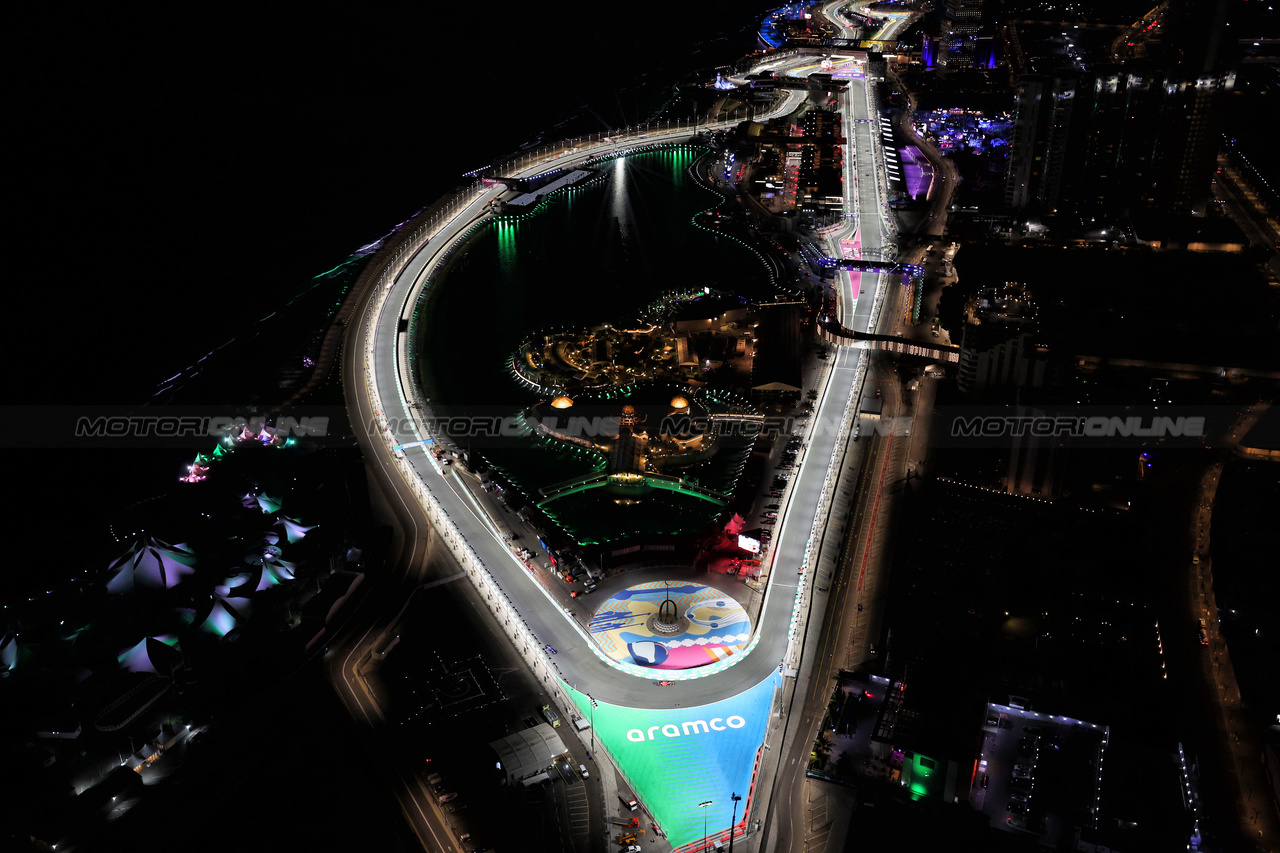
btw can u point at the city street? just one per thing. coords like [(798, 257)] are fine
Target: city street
[(478, 527), (1236, 737)]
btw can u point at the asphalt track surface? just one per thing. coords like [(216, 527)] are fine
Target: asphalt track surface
[(577, 662), (379, 343)]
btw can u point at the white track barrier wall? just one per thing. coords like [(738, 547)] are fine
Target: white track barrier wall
[(423, 232), (503, 608), (601, 145)]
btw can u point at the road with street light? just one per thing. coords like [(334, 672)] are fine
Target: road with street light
[(388, 413)]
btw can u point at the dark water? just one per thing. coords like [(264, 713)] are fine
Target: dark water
[(595, 255), (177, 173), (178, 177)]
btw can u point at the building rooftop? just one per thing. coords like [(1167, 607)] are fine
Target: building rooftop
[(528, 751)]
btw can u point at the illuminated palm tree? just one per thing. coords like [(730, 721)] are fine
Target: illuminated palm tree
[(821, 752)]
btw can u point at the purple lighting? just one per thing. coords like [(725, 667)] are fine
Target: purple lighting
[(918, 172)]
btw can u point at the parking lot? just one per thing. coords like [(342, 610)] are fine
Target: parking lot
[(1038, 774)]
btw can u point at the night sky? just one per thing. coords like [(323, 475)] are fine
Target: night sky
[(178, 169), (179, 173), (173, 174)]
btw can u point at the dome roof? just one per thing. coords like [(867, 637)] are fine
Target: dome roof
[(628, 409), (561, 403), (679, 403)]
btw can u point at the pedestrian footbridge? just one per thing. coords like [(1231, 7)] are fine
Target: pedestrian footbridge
[(838, 334)]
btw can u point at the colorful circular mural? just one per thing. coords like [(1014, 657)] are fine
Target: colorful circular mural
[(713, 626)]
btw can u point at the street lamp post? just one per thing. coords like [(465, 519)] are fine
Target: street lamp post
[(593, 724), (733, 820), (703, 806)]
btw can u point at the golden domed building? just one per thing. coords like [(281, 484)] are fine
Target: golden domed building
[(654, 439)]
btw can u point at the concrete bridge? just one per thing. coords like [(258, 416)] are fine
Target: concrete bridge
[(517, 184), (837, 334)]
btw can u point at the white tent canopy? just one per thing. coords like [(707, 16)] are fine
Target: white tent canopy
[(157, 655), (230, 608), (294, 529), (152, 564), (528, 751)]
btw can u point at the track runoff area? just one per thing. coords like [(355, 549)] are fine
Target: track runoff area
[(682, 762)]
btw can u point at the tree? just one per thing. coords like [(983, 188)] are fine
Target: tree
[(821, 752)]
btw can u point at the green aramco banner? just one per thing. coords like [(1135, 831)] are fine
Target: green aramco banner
[(679, 758)]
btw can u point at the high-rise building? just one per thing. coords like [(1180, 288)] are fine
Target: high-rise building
[(1001, 347), (1065, 125), (1026, 149), (1196, 83), (964, 20), (1145, 134), (1187, 142), (1050, 130)]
